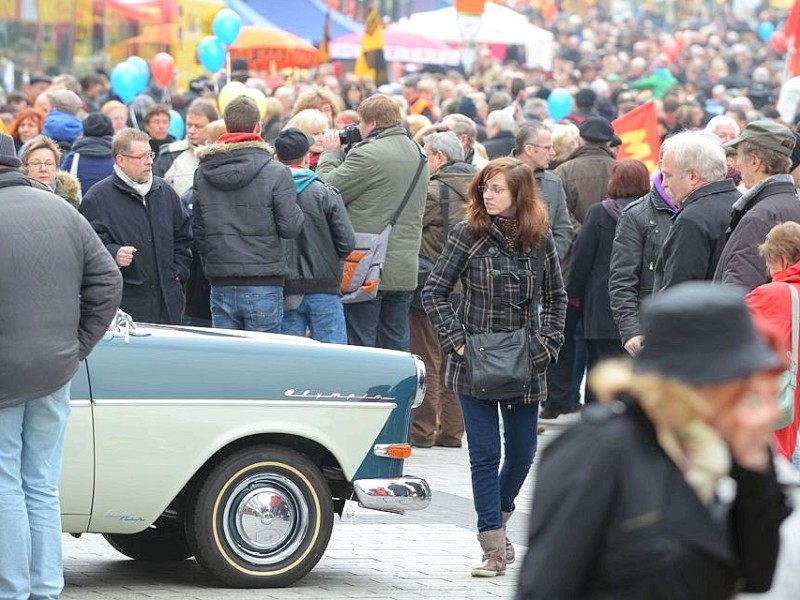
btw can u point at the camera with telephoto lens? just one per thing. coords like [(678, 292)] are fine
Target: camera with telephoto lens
[(349, 135)]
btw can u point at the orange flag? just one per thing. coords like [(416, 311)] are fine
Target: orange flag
[(638, 131), (792, 30)]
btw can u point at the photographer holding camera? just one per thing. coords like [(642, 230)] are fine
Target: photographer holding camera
[(373, 179)]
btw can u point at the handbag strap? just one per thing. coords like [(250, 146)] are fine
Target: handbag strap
[(444, 202), (422, 160), (539, 263), (795, 325)]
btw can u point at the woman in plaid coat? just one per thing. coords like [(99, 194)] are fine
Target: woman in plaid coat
[(495, 254)]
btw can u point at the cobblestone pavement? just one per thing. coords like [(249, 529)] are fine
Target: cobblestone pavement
[(371, 554)]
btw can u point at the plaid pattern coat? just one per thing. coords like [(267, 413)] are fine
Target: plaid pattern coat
[(497, 295)]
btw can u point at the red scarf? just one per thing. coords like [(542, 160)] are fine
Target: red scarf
[(237, 137)]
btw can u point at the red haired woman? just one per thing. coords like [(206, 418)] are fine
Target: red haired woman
[(505, 259), (26, 125)]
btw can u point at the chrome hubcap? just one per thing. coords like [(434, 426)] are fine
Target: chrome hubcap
[(266, 518)]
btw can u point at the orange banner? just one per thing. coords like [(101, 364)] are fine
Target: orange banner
[(470, 7), (638, 131)]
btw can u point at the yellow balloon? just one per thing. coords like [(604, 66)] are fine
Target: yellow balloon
[(230, 91), (260, 99)]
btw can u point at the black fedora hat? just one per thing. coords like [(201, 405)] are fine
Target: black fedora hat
[(599, 131), (700, 332)]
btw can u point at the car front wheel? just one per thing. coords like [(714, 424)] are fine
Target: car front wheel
[(261, 518)]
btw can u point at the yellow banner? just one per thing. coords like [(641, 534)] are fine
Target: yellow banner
[(8, 10)]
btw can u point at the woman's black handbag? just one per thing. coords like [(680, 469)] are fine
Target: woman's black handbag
[(498, 364)]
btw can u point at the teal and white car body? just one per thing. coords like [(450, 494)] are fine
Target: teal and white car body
[(234, 447)]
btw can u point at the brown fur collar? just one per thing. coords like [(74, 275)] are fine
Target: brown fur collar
[(68, 187), (222, 149), (678, 414)]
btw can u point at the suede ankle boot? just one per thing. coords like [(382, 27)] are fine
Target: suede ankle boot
[(494, 553), (511, 554)]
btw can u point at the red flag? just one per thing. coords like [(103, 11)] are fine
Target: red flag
[(638, 131), (792, 25)]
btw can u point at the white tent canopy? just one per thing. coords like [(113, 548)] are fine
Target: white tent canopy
[(500, 25)]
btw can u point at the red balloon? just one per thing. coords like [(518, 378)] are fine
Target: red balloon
[(779, 42), (162, 69)]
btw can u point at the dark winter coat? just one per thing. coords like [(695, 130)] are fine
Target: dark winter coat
[(94, 160), (641, 230), (697, 236), (244, 204), (60, 292), (591, 263), (158, 227), (766, 204), (314, 257), (551, 191), (585, 175), (497, 294), (197, 287), (616, 519), (500, 145)]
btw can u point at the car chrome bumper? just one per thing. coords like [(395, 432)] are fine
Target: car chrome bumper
[(395, 495)]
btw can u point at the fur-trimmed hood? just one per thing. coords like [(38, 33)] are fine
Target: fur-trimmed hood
[(223, 149), (678, 415), (68, 187), (232, 166)]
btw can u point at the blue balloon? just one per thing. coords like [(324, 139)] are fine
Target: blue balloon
[(176, 126), (765, 30), (559, 103), (211, 53), (125, 81), (142, 69), (227, 25)]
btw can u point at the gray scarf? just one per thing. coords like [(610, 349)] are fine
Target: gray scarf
[(140, 188)]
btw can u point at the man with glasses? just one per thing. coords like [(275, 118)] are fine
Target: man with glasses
[(534, 147), (142, 223)]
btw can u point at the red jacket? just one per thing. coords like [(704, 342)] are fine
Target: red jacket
[(771, 304)]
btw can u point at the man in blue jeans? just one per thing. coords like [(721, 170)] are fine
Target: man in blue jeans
[(244, 204), (66, 289), (312, 289)]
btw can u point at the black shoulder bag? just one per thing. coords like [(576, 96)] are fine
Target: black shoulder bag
[(499, 364)]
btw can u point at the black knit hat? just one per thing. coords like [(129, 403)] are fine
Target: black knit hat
[(292, 144), (700, 332), (97, 125), (8, 154)]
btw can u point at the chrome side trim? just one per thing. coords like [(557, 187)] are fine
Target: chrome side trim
[(395, 495), (80, 402), (238, 402), (422, 379)]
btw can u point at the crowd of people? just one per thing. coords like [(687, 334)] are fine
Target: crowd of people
[(517, 252)]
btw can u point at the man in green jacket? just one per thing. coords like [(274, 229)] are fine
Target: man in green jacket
[(373, 177)]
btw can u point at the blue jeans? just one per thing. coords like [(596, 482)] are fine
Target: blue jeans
[(796, 455), (323, 314), (252, 308), (494, 489), (380, 323), (31, 444)]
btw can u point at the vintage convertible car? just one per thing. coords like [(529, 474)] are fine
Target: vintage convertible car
[(235, 447)]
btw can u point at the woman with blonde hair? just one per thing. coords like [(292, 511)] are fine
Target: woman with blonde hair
[(313, 123), (505, 259), (771, 304), (40, 159), (566, 139), (117, 112), (323, 100)]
